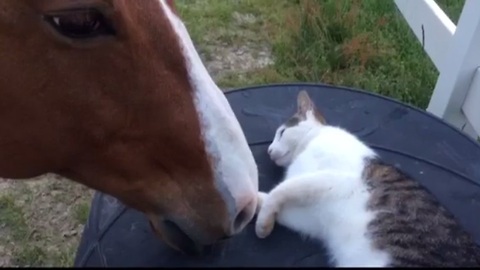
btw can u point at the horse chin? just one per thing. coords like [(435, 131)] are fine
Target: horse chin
[(175, 238)]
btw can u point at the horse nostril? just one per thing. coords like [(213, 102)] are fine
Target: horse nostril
[(242, 218), (239, 219)]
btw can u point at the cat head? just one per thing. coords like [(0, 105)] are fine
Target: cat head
[(293, 134)]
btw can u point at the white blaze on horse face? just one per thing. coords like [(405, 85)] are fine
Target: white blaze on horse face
[(236, 174)]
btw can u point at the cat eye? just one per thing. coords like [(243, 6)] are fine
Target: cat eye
[(281, 132), (80, 23)]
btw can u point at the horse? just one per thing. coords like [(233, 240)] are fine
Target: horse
[(112, 94)]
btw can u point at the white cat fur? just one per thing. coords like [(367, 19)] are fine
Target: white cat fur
[(323, 195)]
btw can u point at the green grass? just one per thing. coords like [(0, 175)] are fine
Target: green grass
[(364, 44), (453, 8), (13, 220), (30, 256), (29, 246), (81, 212)]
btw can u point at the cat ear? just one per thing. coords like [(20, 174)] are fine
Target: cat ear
[(304, 103)]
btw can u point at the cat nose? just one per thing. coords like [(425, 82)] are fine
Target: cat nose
[(269, 150)]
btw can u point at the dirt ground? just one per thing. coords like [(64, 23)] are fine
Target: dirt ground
[(41, 219)]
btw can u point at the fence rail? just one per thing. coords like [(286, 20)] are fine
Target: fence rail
[(455, 52)]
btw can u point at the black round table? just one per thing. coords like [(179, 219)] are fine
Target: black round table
[(443, 159)]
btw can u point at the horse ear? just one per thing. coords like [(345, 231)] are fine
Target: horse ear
[(304, 103)]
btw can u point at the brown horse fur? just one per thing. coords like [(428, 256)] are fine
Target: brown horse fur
[(115, 112)]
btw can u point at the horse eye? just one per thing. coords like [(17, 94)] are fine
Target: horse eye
[(80, 24)]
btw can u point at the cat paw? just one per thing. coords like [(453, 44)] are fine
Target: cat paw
[(265, 223), (264, 228), (260, 200)]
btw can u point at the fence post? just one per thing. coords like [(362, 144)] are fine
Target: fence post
[(458, 67), (471, 107), (432, 27)]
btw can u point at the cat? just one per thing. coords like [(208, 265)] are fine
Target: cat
[(367, 213)]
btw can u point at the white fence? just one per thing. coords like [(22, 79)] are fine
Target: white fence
[(455, 51)]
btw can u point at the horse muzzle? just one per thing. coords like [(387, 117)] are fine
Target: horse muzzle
[(188, 242)]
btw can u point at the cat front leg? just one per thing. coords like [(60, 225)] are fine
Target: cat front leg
[(266, 214), (261, 198), (300, 191)]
